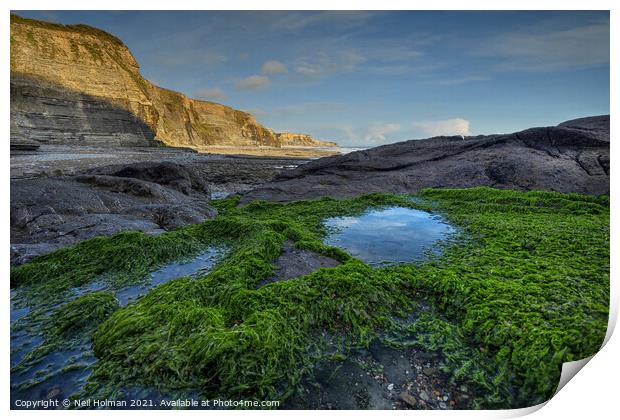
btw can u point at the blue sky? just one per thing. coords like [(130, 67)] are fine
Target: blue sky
[(369, 78)]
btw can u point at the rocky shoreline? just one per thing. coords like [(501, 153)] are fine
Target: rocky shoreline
[(572, 157), (63, 195)]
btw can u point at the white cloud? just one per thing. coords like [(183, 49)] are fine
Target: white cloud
[(374, 134), (324, 63), (577, 47), (295, 21), (253, 83), (377, 132), (451, 127), (175, 57), (460, 80), (214, 94), (273, 67)]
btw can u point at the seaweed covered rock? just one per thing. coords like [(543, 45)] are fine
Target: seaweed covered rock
[(524, 290), (83, 314)]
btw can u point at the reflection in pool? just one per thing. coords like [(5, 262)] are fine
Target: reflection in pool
[(199, 265), (62, 373), (387, 236)]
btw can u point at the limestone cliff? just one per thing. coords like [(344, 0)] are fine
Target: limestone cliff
[(294, 139), (78, 84)]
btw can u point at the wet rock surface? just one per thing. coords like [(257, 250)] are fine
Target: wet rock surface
[(60, 195), (294, 263), (570, 157), (48, 213), (380, 378)]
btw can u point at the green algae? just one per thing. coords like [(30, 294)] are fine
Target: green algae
[(525, 288), (83, 314)]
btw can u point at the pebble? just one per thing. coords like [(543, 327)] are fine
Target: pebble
[(424, 395), (445, 398), (53, 392), (443, 405), (408, 398), (390, 387), (429, 371)]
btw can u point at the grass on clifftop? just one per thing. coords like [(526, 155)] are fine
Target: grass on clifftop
[(80, 29), (525, 291)]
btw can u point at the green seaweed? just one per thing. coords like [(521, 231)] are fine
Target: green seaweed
[(523, 289), (83, 314)]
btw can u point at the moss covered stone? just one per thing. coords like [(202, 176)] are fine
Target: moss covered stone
[(83, 314), (525, 288)]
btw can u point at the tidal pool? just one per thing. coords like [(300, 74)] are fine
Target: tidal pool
[(388, 236), (63, 372), (199, 265)]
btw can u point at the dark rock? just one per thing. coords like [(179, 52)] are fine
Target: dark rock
[(24, 144), (341, 385), (49, 213), (21, 253), (297, 262), (169, 174), (396, 368), (571, 157)]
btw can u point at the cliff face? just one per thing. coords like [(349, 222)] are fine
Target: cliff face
[(78, 84), (294, 139), (48, 113)]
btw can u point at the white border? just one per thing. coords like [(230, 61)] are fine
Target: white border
[(591, 395)]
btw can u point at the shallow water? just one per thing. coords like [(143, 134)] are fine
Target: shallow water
[(199, 265), (388, 236), (48, 376), (216, 195)]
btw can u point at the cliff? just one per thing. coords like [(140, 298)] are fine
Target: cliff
[(295, 139), (79, 85)]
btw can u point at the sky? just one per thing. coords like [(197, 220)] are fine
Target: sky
[(370, 78)]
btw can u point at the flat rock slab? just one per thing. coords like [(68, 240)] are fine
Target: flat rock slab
[(61, 195), (572, 157), (294, 263)]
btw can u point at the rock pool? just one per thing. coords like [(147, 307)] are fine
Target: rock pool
[(62, 373), (388, 236)]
